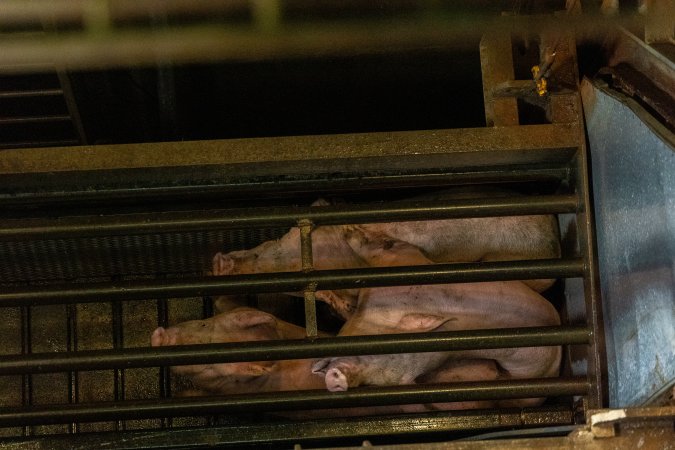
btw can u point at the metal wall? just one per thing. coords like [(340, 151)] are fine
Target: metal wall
[(633, 177)]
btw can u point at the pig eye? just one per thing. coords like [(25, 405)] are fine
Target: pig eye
[(203, 324)]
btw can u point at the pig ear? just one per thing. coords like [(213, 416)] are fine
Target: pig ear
[(421, 322), (252, 318), (321, 366)]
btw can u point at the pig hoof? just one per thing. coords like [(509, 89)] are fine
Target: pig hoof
[(336, 381), (222, 264), (157, 338)]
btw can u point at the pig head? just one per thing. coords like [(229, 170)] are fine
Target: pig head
[(238, 325)]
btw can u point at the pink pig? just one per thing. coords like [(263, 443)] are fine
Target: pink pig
[(248, 324), (448, 307), (440, 241)]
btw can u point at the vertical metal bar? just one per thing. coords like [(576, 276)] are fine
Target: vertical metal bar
[(496, 59), (164, 374), (585, 230), (71, 346), (307, 258), (267, 14), (118, 342), (566, 108), (26, 379), (71, 104)]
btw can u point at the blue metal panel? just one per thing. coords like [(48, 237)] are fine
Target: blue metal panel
[(633, 178)]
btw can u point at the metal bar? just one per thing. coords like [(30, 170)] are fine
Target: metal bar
[(269, 188), (295, 349), (164, 372), (71, 104), (307, 259), (129, 47), (26, 379), (118, 343), (31, 93), (294, 281), (496, 60), (409, 151), (30, 144), (291, 432), (597, 371), (71, 346), (295, 400), (255, 217), (36, 119), (311, 327)]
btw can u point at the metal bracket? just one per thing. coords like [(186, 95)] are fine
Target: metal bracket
[(605, 422)]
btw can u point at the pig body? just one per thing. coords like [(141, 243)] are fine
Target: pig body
[(248, 324), (440, 241), (442, 308)]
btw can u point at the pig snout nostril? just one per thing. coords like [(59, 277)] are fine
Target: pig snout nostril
[(336, 381), (222, 264)]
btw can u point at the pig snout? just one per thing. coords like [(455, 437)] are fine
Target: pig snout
[(161, 336), (222, 264), (337, 375)]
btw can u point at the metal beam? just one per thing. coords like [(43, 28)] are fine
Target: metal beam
[(179, 221), (294, 400), (293, 281), (293, 349)]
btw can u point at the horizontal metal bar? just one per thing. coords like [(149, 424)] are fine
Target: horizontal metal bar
[(293, 349), (293, 432), (59, 193), (293, 281), (282, 216), (30, 144), (31, 93), (36, 119), (406, 151), (296, 400), (203, 42)]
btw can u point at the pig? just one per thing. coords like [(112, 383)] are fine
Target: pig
[(450, 307), (442, 307), (441, 241), (248, 324)]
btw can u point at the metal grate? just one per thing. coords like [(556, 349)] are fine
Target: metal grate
[(95, 257)]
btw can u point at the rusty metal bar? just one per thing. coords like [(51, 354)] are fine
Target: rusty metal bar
[(286, 432), (461, 148), (294, 349), (58, 228), (307, 259), (295, 400), (116, 193), (294, 281), (71, 346), (164, 372), (26, 379), (118, 343)]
